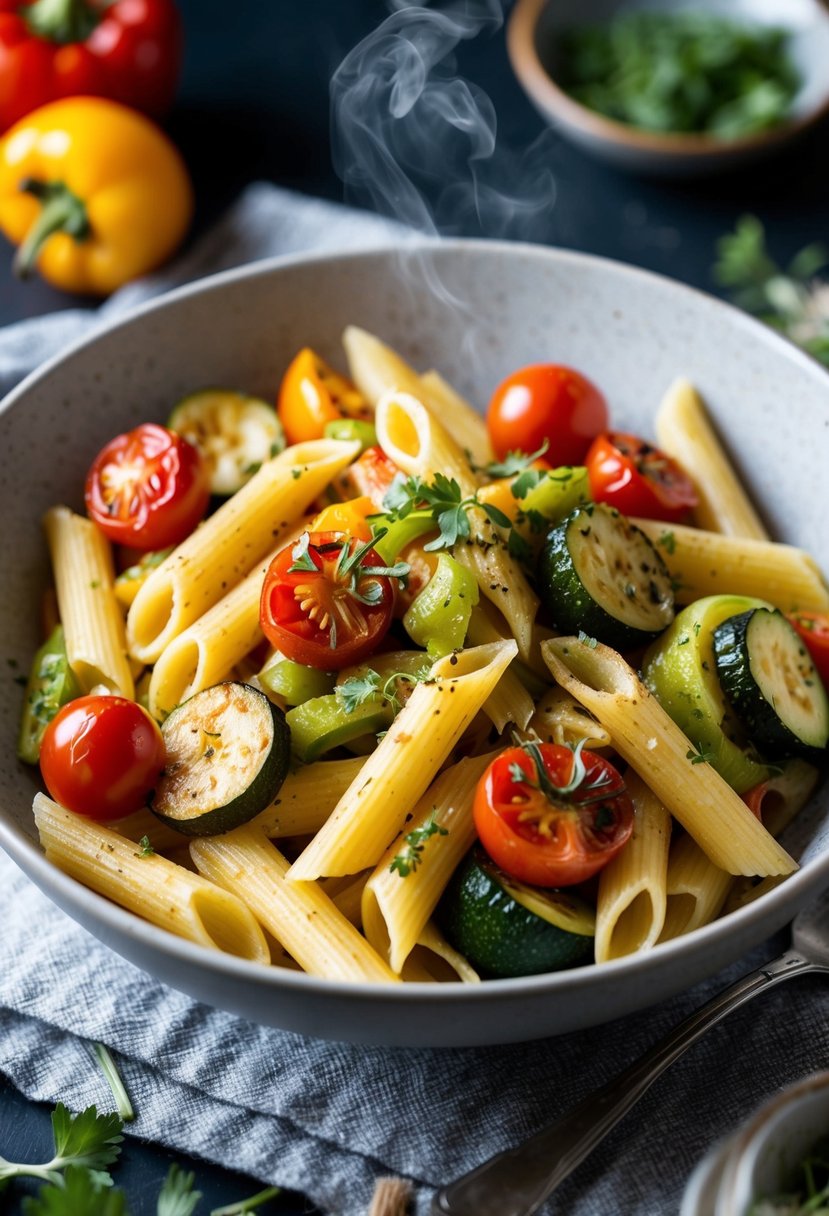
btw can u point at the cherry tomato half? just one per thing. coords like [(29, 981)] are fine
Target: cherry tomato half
[(558, 823), (148, 488), (101, 756), (813, 628), (638, 479), (326, 601), (546, 402), (312, 394)]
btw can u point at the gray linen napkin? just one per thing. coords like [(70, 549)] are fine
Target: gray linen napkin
[(329, 1119)]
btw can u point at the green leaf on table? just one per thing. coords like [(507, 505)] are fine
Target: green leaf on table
[(80, 1193), (177, 1197)]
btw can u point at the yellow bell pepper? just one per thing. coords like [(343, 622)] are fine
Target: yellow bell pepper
[(350, 517), (93, 193)]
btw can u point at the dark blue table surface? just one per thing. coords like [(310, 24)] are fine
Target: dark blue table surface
[(254, 105)]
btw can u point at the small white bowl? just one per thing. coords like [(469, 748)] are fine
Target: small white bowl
[(760, 1160), (536, 25)]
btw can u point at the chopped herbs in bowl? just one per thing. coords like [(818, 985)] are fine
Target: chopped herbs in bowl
[(681, 72), (809, 1190)]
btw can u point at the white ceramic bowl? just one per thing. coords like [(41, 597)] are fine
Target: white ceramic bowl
[(761, 1159), (495, 307), (536, 25)]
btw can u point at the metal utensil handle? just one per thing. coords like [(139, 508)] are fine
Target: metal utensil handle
[(517, 1181)]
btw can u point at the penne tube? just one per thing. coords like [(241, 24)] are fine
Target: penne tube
[(433, 960), (307, 797), (162, 838), (399, 771), (419, 445), (93, 623), (348, 896), (207, 651), (509, 702), (559, 718), (397, 907), (703, 563), (299, 914), (654, 746), (376, 369), (684, 431), (151, 886), (630, 910), (226, 547), (696, 889)]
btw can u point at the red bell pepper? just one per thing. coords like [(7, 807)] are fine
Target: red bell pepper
[(127, 50)]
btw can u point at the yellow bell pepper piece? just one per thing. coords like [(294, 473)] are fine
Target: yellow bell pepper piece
[(93, 193)]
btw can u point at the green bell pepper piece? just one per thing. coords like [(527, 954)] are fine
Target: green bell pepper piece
[(439, 617), (352, 428), (51, 684), (558, 493), (401, 533), (680, 670), (295, 682), (323, 723)]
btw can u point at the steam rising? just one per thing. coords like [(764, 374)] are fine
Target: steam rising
[(418, 142)]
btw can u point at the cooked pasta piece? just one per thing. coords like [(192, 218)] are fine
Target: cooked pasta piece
[(559, 718), (509, 701), (651, 743), (419, 445), (227, 546), (398, 772), (161, 837), (696, 889), (299, 914), (93, 624), (684, 431), (703, 563), (376, 369), (307, 797), (397, 907), (208, 650), (433, 960), (151, 886), (630, 910), (348, 895)]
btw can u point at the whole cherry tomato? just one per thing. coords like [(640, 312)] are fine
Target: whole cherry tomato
[(638, 479), (125, 50), (101, 756), (328, 600), (813, 628), (312, 394), (148, 488), (546, 403), (551, 816)]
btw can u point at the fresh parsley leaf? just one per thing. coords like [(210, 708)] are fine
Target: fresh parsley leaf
[(145, 848), (407, 861), (668, 542), (247, 1205), (357, 690), (699, 757), (496, 515), (80, 1193), (87, 1139), (515, 462), (526, 481), (177, 1197)]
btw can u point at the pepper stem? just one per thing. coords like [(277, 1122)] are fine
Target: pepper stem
[(61, 21), (62, 211)]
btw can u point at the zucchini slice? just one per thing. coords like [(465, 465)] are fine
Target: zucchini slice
[(600, 574), (505, 928), (769, 678), (228, 751), (235, 434)]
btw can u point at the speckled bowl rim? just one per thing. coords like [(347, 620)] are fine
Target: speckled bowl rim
[(772, 910), (551, 99)]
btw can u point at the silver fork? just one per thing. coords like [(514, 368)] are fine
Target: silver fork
[(516, 1182)]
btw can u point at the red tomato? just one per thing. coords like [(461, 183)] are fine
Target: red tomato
[(312, 394), (755, 797), (369, 477), (101, 756), (636, 478), (147, 488), (546, 402), (560, 822), (327, 601), (813, 628)]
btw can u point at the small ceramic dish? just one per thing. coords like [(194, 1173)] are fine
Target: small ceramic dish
[(532, 38), (761, 1159)]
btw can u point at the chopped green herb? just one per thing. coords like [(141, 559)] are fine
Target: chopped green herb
[(586, 640), (407, 861), (699, 757), (88, 1139), (668, 542), (146, 849)]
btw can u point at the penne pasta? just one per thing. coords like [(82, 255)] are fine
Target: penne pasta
[(696, 889), (630, 910), (215, 557), (684, 431), (703, 563), (92, 621), (656, 748), (398, 772), (299, 914), (151, 886), (307, 797)]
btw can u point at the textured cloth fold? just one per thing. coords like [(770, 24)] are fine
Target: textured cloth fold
[(329, 1119)]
